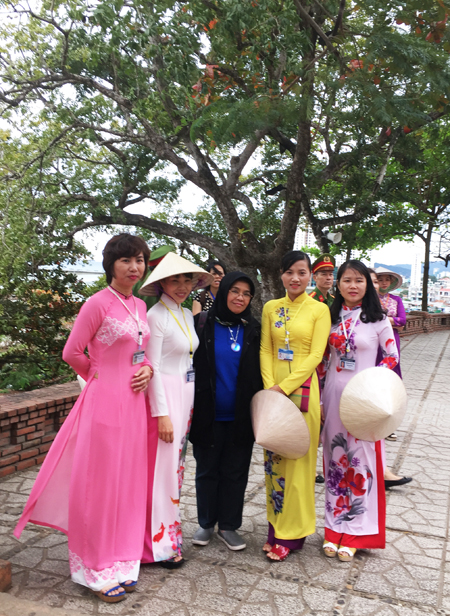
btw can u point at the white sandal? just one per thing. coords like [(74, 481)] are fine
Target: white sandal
[(332, 547), (345, 554)]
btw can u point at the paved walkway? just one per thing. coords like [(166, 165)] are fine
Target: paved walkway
[(412, 576)]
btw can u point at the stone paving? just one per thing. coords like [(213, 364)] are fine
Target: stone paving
[(411, 576)]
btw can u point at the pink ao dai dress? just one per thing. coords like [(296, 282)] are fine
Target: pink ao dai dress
[(169, 394), (355, 505), (93, 482)]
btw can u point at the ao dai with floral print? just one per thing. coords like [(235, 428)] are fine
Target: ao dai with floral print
[(93, 483), (351, 497)]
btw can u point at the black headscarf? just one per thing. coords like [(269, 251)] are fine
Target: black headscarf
[(220, 310)]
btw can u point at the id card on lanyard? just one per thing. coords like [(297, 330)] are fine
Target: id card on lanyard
[(139, 355), (190, 374), (287, 354), (348, 363)]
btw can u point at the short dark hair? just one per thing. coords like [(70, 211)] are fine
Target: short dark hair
[(211, 265), (292, 257), (123, 245), (371, 310)]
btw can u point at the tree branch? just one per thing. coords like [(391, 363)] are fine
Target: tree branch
[(159, 227)]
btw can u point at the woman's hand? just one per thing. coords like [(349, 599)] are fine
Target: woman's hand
[(165, 429), (141, 379), (322, 415), (278, 389), (391, 321)]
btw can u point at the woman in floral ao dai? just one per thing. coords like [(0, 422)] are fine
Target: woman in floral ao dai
[(355, 503)]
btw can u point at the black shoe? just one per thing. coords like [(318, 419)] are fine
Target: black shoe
[(320, 479), (391, 483), (171, 563)]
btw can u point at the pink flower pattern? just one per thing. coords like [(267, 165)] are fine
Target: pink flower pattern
[(92, 576)]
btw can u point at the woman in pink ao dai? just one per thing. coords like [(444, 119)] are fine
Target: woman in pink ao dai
[(93, 483)]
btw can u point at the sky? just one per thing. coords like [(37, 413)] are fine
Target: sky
[(394, 253)]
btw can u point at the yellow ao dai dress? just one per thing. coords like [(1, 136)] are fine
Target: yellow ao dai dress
[(290, 483)]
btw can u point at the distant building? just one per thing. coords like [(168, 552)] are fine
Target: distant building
[(304, 239)]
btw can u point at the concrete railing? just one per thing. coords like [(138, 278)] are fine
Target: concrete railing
[(29, 421)]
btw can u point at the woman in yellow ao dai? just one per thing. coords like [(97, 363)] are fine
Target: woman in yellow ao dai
[(301, 324)]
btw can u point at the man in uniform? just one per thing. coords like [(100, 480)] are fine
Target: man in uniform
[(323, 275)]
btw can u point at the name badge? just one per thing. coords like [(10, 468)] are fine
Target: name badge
[(285, 354), (138, 357), (346, 363), (190, 376)]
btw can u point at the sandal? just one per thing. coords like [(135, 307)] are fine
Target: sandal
[(130, 587), (280, 551), (107, 598), (171, 563), (346, 554), (330, 549), (267, 548)]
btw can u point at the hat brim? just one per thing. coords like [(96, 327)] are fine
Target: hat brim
[(373, 404), (278, 425), (174, 265), (398, 278)]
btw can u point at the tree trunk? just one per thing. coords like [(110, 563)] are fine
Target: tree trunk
[(426, 267)]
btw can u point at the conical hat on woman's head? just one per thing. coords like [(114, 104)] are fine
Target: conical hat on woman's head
[(173, 265), (278, 424), (397, 279), (373, 404)]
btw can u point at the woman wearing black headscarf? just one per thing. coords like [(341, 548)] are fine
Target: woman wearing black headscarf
[(227, 376)]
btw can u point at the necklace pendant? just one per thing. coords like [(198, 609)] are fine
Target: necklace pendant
[(236, 347)]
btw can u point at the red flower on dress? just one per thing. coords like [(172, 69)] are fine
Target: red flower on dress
[(343, 461), (337, 340), (342, 504), (390, 362), (354, 481), (389, 341)]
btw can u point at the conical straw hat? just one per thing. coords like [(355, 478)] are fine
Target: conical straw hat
[(373, 404), (278, 425), (395, 283), (172, 265)]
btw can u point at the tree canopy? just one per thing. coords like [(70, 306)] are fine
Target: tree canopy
[(275, 109)]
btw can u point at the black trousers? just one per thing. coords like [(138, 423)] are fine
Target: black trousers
[(221, 479)]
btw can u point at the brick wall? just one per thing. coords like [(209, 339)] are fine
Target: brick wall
[(29, 422), (422, 323)]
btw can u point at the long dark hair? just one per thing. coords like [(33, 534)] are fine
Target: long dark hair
[(371, 310)]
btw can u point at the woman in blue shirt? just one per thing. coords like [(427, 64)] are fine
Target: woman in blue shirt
[(227, 377)]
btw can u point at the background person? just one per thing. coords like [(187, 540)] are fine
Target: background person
[(170, 349), (204, 300), (355, 500), (390, 480), (323, 275), (93, 482), (393, 306), (227, 376), (294, 334)]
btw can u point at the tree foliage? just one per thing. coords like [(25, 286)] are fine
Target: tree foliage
[(275, 109)]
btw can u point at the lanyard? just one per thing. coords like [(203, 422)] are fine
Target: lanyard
[(188, 335), (135, 317), (286, 331), (352, 327)]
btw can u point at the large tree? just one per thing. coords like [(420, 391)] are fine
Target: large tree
[(264, 105)]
